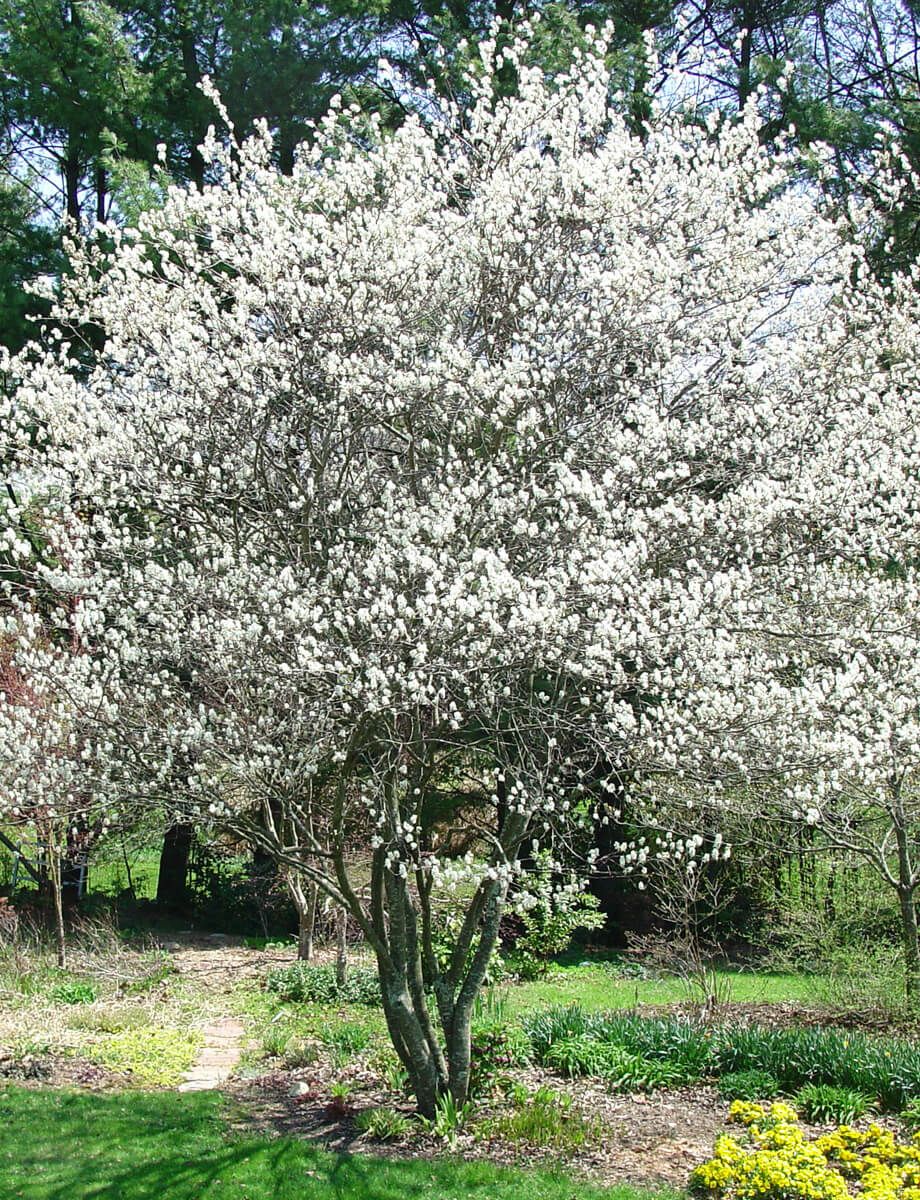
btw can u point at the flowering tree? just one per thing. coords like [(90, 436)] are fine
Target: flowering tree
[(415, 497), (853, 642)]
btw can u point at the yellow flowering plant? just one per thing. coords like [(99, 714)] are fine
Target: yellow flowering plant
[(773, 1159)]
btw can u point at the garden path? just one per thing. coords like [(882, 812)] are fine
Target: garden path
[(218, 1056)]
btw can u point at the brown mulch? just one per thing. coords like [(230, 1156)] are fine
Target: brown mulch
[(59, 1072), (654, 1139), (219, 962)]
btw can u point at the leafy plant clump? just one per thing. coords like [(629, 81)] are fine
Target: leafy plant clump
[(308, 983), (749, 1085), (543, 1118), (623, 1071), (825, 1104), (449, 1118), (298, 1052), (496, 1048), (685, 1045), (582, 1055), (153, 1055), (558, 1024), (74, 991), (886, 1068), (383, 1124), (345, 1041), (340, 1099), (630, 1053)]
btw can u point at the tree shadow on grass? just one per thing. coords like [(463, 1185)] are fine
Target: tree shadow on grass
[(161, 1146)]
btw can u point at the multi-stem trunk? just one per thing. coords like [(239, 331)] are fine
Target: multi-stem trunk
[(435, 1045), (428, 1007)]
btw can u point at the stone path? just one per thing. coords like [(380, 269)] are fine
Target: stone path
[(218, 1056)]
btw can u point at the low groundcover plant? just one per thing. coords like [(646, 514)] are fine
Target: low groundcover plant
[(774, 1158)]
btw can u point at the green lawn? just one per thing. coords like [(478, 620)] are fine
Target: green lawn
[(58, 1145), (594, 987)]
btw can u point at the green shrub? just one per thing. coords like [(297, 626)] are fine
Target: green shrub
[(824, 1104), (749, 1085), (308, 983), (549, 916), (73, 991), (543, 1118), (383, 1124)]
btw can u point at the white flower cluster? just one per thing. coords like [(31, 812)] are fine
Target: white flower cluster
[(535, 444)]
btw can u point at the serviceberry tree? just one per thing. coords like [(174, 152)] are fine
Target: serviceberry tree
[(419, 495)]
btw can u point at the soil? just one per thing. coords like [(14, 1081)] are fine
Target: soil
[(651, 1140), (218, 962)]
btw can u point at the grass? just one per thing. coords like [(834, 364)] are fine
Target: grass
[(595, 987), (58, 1145)]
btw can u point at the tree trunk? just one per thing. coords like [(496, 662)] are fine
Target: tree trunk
[(745, 80), (54, 876), (102, 187), (72, 186), (341, 947), (307, 922), (427, 1076), (910, 939), (906, 899), (172, 884)]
